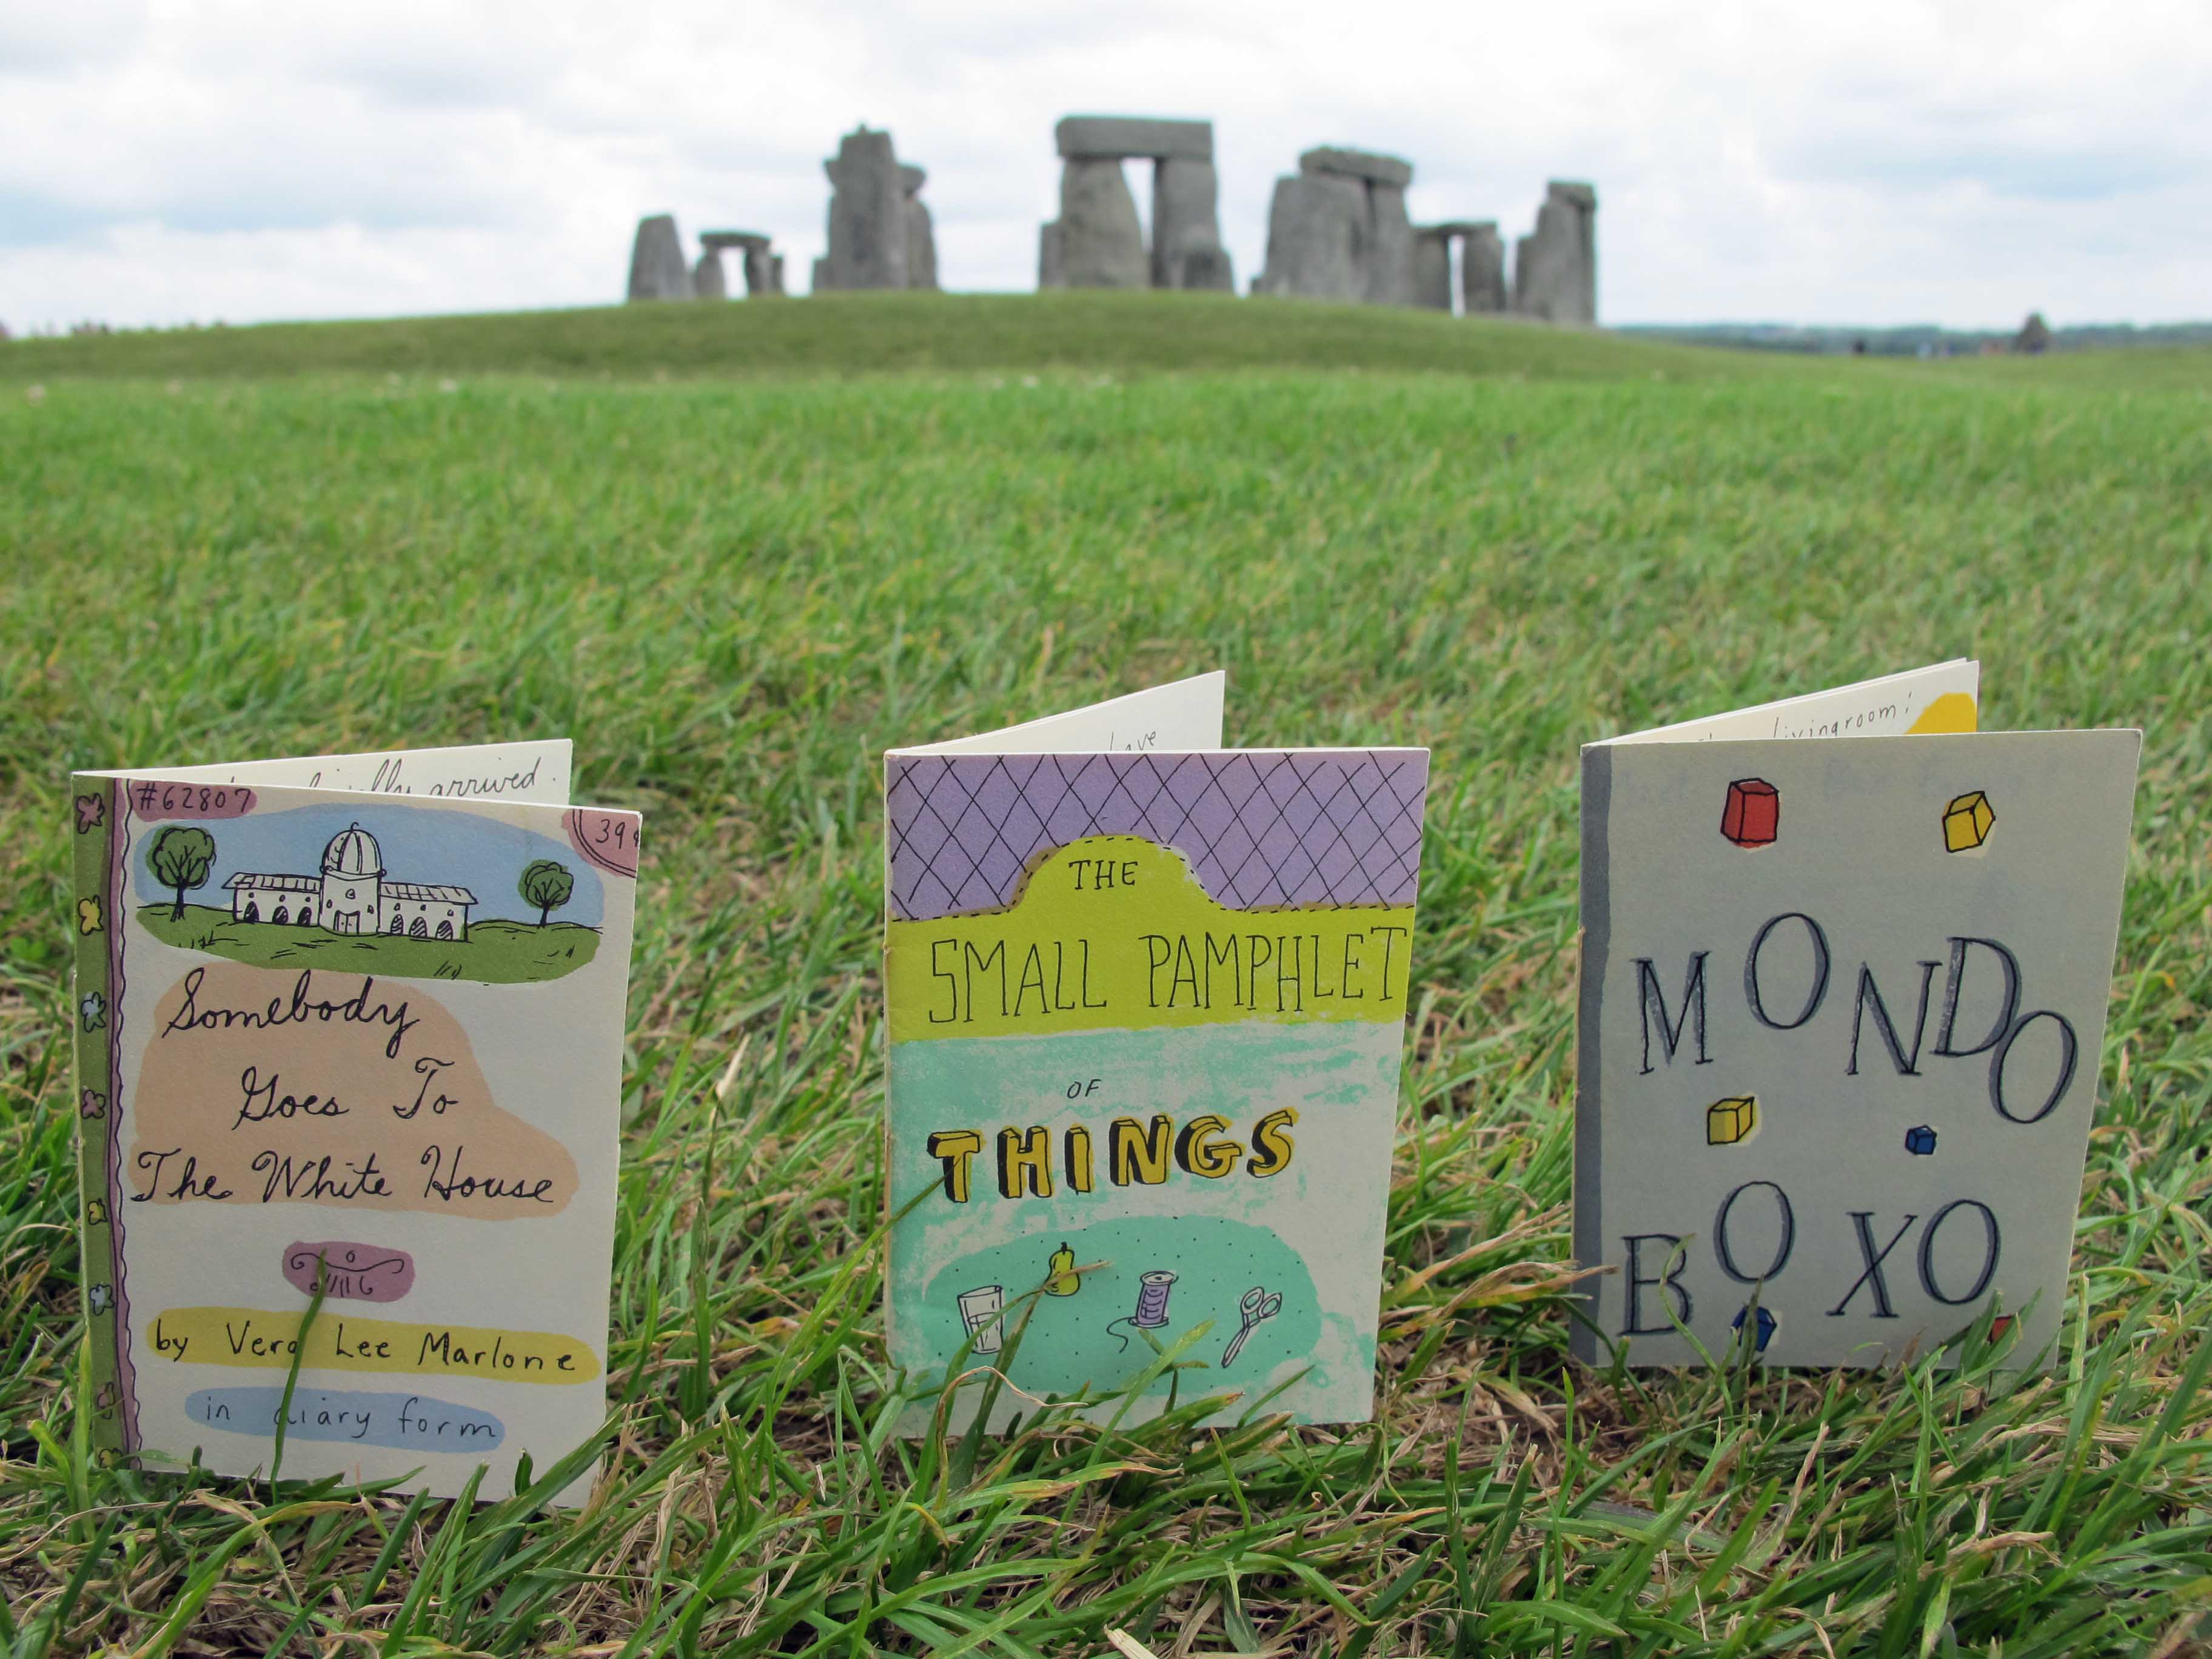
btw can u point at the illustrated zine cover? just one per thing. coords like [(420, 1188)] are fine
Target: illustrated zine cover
[(1845, 963), (1147, 998), (351, 1024)]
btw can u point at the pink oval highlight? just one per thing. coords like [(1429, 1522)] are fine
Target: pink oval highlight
[(353, 1273), (608, 839)]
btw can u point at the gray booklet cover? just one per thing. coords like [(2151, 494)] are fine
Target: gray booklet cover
[(1844, 967)]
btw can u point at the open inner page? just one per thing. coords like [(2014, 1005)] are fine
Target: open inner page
[(535, 771), (1943, 698), (1181, 717)]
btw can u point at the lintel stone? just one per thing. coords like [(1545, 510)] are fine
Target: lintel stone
[(1357, 164), (1111, 137)]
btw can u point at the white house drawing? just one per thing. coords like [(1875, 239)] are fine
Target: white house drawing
[(352, 895)]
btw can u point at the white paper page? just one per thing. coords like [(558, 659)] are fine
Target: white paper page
[(1890, 706), (1183, 717), (534, 771)]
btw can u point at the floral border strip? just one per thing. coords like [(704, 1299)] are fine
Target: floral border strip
[(96, 988)]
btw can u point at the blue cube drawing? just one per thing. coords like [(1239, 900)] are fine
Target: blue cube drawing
[(1920, 1142), (1765, 1326)]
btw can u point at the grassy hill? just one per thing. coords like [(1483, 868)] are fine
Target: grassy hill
[(874, 333), (846, 334), (734, 590)]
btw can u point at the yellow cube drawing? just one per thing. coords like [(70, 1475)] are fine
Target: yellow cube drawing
[(1727, 1122), (1967, 822)]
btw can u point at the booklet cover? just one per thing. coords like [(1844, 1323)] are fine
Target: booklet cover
[(350, 1026), (1844, 968), (1147, 998)]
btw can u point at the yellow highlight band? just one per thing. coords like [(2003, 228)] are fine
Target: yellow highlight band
[(260, 1340), (1115, 933)]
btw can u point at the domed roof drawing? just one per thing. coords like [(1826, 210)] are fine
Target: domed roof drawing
[(353, 852)]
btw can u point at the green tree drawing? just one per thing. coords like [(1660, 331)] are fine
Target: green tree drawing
[(180, 858), (547, 884)]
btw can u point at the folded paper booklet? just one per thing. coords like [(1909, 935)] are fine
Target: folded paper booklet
[(1844, 968), (350, 1026), (1145, 999)]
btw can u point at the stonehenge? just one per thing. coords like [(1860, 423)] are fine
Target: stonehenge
[(1337, 229), (1555, 268), (880, 234), (658, 269), (1097, 240)]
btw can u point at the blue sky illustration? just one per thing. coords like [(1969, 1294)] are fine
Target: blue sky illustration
[(425, 844)]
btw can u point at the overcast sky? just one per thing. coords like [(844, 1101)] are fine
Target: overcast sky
[(1873, 162)]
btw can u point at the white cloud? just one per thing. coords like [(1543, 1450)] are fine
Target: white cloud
[(1884, 161)]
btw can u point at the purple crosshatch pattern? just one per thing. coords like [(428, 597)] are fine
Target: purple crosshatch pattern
[(1262, 830)]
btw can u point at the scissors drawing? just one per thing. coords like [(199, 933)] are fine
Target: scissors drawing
[(1256, 1306)]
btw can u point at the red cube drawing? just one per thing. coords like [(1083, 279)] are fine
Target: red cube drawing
[(1753, 812)]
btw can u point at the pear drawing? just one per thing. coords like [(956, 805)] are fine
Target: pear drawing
[(1063, 1280)]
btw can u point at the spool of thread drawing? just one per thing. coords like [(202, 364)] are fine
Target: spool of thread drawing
[(1152, 1290)]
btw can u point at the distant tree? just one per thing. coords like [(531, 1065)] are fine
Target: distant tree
[(546, 885), (180, 858)]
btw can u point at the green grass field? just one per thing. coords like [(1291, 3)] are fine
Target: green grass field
[(495, 952), (735, 585)]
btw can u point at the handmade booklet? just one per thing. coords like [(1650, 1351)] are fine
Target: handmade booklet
[(350, 1029), (1844, 967), (1145, 999)]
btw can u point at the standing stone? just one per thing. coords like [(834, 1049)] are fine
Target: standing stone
[(920, 239), (1187, 250), (1390, 259), (1432, 268), (775, 274), (867, 214), (1101, 243), (760, 270), (1318, 238), (1482, 269), (657, 267), (1051, 272), (1555, 269), (1339, 229), (707, 281)]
